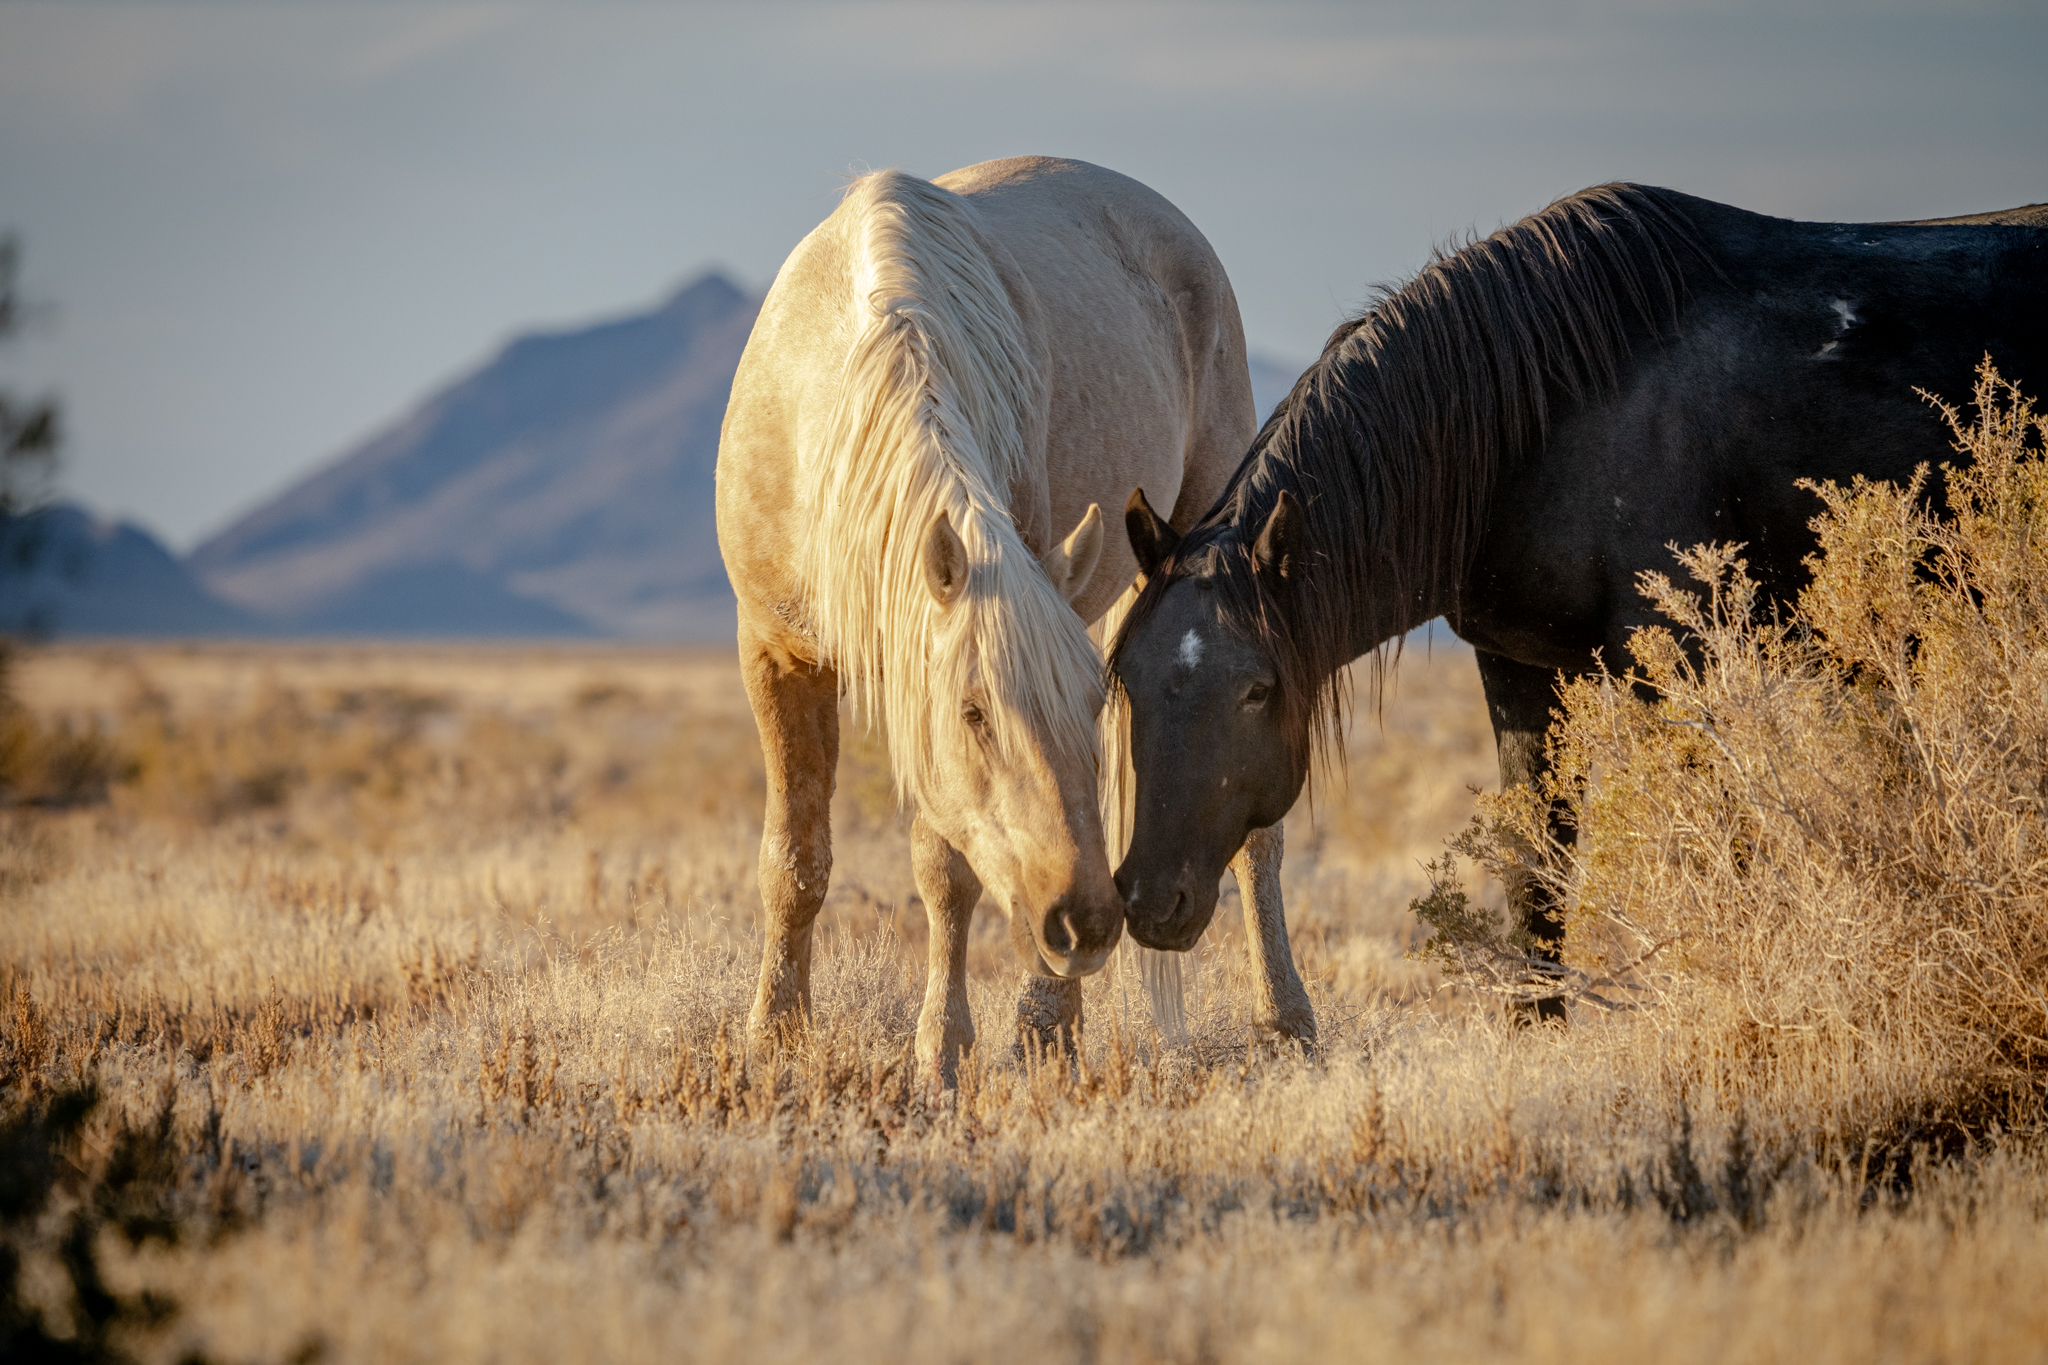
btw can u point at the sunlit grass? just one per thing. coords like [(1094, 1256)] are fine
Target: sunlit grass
[(425, 971)]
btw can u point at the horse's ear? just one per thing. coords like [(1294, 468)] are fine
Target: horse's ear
[(945, 561), (1152, 540), (1279, 543), (1071, 563)]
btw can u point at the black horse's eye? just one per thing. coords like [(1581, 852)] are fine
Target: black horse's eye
[(1256, 694), (972, 715)]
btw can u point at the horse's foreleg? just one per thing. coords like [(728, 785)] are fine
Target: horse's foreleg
[(796, 708), (1519, 698), (1279, 1000), (1049, 1013), (945, 1027)]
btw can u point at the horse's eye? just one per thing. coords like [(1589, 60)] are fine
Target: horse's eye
[(972, 715), (1256, 694)]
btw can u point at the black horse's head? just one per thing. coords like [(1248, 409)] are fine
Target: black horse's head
[(1219, 716)]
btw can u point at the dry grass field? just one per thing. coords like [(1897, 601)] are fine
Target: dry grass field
[(384, 1004), (410, 980)]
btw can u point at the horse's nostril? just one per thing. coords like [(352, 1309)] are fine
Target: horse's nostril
[(1059, 930)]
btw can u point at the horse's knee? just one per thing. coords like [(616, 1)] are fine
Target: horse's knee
[(794, 873)]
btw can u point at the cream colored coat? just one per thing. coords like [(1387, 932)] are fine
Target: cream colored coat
[(1030, 341)]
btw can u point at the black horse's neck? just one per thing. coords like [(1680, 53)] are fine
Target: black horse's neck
[(1393, 442), (1348, 591)]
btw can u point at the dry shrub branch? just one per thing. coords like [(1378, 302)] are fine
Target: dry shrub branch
[(1816, 840)]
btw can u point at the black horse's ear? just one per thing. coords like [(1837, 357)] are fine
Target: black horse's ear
[(1152, 540), (1279, 542)]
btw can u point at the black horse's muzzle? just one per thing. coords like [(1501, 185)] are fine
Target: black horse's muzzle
[(1171, 920)]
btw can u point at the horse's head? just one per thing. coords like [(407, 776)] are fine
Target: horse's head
[(1008, 770), (1216, 723)]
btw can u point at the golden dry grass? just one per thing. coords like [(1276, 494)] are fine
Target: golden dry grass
[(412, 979)]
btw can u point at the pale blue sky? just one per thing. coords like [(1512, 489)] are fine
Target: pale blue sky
[(267, 228)]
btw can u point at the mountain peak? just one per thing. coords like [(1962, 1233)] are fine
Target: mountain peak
[(712, 289), (573, 471)]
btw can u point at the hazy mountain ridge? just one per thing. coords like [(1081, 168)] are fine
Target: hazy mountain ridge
[(65, 572), (563, 488), (572, 473)]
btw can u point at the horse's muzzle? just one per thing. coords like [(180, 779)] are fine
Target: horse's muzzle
[(1065, 947), (1170, 921)]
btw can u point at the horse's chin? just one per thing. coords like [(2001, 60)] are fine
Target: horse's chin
[(1176, 931), (1073, 969)]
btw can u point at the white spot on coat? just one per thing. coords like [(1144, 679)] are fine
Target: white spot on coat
[(1191, 649)]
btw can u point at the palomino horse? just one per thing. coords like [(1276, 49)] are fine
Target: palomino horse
[(1508, 441), (947, 377)]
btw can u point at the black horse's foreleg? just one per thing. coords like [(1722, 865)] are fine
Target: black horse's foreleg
[(1519, 699)]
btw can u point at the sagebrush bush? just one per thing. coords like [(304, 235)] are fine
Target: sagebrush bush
[(1817, 838)]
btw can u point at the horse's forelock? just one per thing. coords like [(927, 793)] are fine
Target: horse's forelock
[(1216, 559)]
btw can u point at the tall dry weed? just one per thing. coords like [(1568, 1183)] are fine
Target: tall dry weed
[(1817, 841)]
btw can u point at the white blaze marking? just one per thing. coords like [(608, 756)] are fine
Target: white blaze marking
[(1191, 649)]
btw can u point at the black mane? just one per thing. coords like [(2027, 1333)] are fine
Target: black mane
[(1393, 440)]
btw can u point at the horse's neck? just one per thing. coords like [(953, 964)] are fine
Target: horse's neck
[(1378, 617), (1029, 503), (1365, 601), (1029, 496)]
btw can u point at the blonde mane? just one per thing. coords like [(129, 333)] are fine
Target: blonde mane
[(931, 417)]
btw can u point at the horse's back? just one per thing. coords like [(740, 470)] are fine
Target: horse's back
[(1054, 214), (1133, 329), (1863, 314), (1800, 353), (2026, 215)]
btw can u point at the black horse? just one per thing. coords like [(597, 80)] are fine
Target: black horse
[(1506, 441)]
